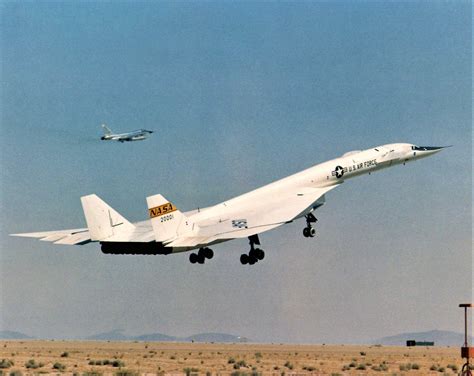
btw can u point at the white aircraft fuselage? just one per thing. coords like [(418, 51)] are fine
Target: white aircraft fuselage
[(170, 231), (136, 135), (330, 173)]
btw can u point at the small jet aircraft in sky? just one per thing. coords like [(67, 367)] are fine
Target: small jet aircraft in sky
[(168, 230), (138, 135)]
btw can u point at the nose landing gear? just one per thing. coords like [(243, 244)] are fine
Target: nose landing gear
[(255, 254), (309, 231), (201, 256)]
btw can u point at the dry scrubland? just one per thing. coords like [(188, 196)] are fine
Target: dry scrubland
[(134, 358)]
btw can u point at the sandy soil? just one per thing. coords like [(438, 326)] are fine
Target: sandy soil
[(132, 358)]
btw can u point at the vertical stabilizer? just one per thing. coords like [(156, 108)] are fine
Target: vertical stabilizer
[(107, 130), (167, 221), (102, 220)]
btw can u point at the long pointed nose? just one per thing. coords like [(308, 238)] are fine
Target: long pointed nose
[(425, 151)]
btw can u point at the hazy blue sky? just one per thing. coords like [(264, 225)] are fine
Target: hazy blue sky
[(239, 94)]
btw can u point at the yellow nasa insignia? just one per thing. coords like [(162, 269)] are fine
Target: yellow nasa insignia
[(161, 210)]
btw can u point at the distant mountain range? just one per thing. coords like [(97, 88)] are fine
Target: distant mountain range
[(117, 335), (439, 337), (7, 334)]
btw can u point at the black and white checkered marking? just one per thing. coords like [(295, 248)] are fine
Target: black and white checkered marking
[(239, 223)]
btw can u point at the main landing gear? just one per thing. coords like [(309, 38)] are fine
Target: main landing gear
[(309, 231), (201, 256), (255, 254)]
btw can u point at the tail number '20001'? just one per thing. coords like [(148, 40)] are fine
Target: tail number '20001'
[(165, 218)]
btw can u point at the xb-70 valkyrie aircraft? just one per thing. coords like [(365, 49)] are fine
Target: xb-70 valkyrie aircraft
[(170, 231), (138, 135)]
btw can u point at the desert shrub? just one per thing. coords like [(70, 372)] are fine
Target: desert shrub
[(441, 369), (258, 355), (433, 367), (188, 371), (309, 368), (100, 362), (64, 354), (31, 364), (405, 367), (288, 365), (454, 367), (409, 366), (380, 367), (15, 373), (361, 367), (59, 366), (335, 374), (117, 363), (172, 357), (363, 353), (126, 373), (92, 373), (6, 363), (345, 368), (231, 361), (352, 364)]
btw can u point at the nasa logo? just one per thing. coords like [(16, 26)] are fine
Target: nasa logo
[(161, 210)]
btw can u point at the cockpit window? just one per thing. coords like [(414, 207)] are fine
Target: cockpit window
[(425, 148)]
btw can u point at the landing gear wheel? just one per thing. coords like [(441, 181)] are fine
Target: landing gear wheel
[(309, 232), (253, 253), (306, 232), (206, 253), (209, 253), (193, 258), (200, 258)]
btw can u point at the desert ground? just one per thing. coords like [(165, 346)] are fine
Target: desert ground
[(33, 357)]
